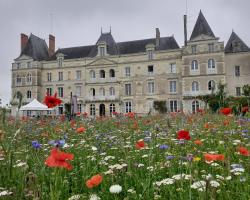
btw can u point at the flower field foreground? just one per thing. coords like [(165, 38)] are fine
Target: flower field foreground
[(203, 156)]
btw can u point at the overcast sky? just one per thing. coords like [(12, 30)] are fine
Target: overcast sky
[(79, 22)]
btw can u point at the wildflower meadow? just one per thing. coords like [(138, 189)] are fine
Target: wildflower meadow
[(170, 156)]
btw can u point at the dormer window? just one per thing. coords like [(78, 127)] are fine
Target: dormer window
[(150, 54), (60, 58), (102, 49), (194, 49), (150, 51), (28, 64), (60, 62), (211, 47), (18, 65)]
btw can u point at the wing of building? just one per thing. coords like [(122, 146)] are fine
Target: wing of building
[(129, 76)]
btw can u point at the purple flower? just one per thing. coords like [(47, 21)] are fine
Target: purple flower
[(36, 144), (164, 146), (188, 158), (58, 143)]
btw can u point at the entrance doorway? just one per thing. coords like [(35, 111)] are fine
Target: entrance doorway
[(102, 110)]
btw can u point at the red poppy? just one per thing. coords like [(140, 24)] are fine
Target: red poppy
[(131, 115), (81, 129), (52, 101), (198, 142), (78, 113), (58, 159), (183, 134), (135, 125), (243, 151), (226, 122), (85, 114), (245, 109), (213, 157), (226, 111), (94, 181), (140, 144)]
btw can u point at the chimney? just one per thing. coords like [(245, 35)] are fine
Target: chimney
[(185, 30), (157, 37), (51, 45), (24, 40)]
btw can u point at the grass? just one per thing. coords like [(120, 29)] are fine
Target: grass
[(107, 147)]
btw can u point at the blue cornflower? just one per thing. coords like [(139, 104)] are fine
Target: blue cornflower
[(36, 144), (164, 146), (59, 143), (170, 157)]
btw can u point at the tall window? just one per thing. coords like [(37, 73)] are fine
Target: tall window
[(18, 79), (49, 91), (92, 74), (92, 109), (128, 106), (151, 87), (211, 47), (194, 49), (102, 51), (78, 75), (28, 78), (111, 108), (172, 85), (173, 68), (60, 60), (150, 70), (102, 92), (60, 76), (211, 85), (79, 107), (102, 74), (49, 77), (195, 106), (18, 65), (194, 65), (150, 54), (112, 73), (195, 86), (78, 91), (237, 70), (128, 89), (28, 64), (238, 91), (92, 92), (127, 71), (112, 91), (60, 91), (173, 105), (60, 110), (28, 94), (211, 64)]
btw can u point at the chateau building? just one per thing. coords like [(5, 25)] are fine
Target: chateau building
[(129, 76)]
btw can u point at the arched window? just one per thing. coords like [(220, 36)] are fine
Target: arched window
[(28, 94), (195, 106), (18, 79), (194, 65), (28, 78), (92, 74), (211, 64), (111, 73), (92, 109), (211, 85), (102, 73), (111, 108), (195, 86), (112, 91), (92, 92)]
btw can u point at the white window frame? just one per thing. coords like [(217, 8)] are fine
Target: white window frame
[(49, 76), (29, 78), (127, 71), (173, 86), (151, 87), (49, 91), (173, 68), (194, 67), (150, 54), (60, 92), (211, 85), (29, 94), (173, 105), (78, 91), (237, 91), (195, 86), (92, 110), (102, 92), (112, 91), (128, 106), (60, 76), (128, 89), (78, 75), (237, 70)]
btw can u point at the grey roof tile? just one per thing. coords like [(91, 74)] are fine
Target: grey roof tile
[(201, 27), (235, 44)]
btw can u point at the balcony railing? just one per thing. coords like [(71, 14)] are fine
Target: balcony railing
[(102, 98), (102, 80), (196, 93)]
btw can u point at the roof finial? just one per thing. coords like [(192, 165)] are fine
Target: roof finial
[(110, 29), (101, 30)]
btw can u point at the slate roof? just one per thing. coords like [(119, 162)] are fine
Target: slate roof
[(235, 40), (113, 48), (201, 27), (36, 48)]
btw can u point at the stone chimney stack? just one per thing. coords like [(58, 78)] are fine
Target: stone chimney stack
[(24, 40), (51, 45), (157, 37), (185, 30)]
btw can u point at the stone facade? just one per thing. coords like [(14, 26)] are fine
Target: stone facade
[(130, 76)]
